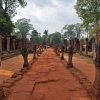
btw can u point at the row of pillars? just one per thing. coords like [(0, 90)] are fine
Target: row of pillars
[(78, 45), (20, 43)]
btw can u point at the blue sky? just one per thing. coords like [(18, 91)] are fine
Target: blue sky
[(51, 15)]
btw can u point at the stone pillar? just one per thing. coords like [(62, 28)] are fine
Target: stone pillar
[(72, 42), (65, 44), (69, 42), (86, 46), (25, 57), (27, 44), (62, 52), (70, 55), (31, 44), (8, 43), (80, 46), (96, 85), (75, 45), (34, 52), (13, 44), (58, 50), (93, 47)]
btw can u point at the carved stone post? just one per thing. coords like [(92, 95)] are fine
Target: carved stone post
[(62, 52), (25, 57), (31, 44), (34, 52), (96, 84), (40, 49), (26, 44), (86, 47), (72, 42), (80, 46), (8, 43), (13, 44), (93, 47), (58, 51), (70, 55), (65, 44)]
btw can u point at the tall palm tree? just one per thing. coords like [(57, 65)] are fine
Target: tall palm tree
[(46, 35)]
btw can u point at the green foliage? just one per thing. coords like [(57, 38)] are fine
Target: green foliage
[(23, 27), (36, 39), (56, 38), (45, 36), (45, 32), (9, 6), (73, 31), (34, 33), (95, 30), (69, 31), (89, 12), (6, 25), (36, 36)]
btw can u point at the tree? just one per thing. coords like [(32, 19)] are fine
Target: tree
[(9, 6), (46, 32), (45, 36), (69, 31), (36, 36), (6, 25), (34, 33), (79, 30), (89, 12), (23, 27), (55, 38)]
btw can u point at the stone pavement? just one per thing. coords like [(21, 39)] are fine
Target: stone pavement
[(11, 65), (48, 79)]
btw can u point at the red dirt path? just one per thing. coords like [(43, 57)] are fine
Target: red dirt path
[(48, 79)]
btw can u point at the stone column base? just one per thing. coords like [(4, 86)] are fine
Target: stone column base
[(62, 58), (69, 65), (25, 65)]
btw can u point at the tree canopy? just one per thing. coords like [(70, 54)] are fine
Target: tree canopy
[(36, 36), (89, 12), (56, 38), (6, 25), (9, 6), (23, 26)]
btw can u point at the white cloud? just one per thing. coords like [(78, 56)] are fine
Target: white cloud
[(51, 15)]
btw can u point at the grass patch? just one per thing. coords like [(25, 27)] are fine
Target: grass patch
[(87, 59)]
